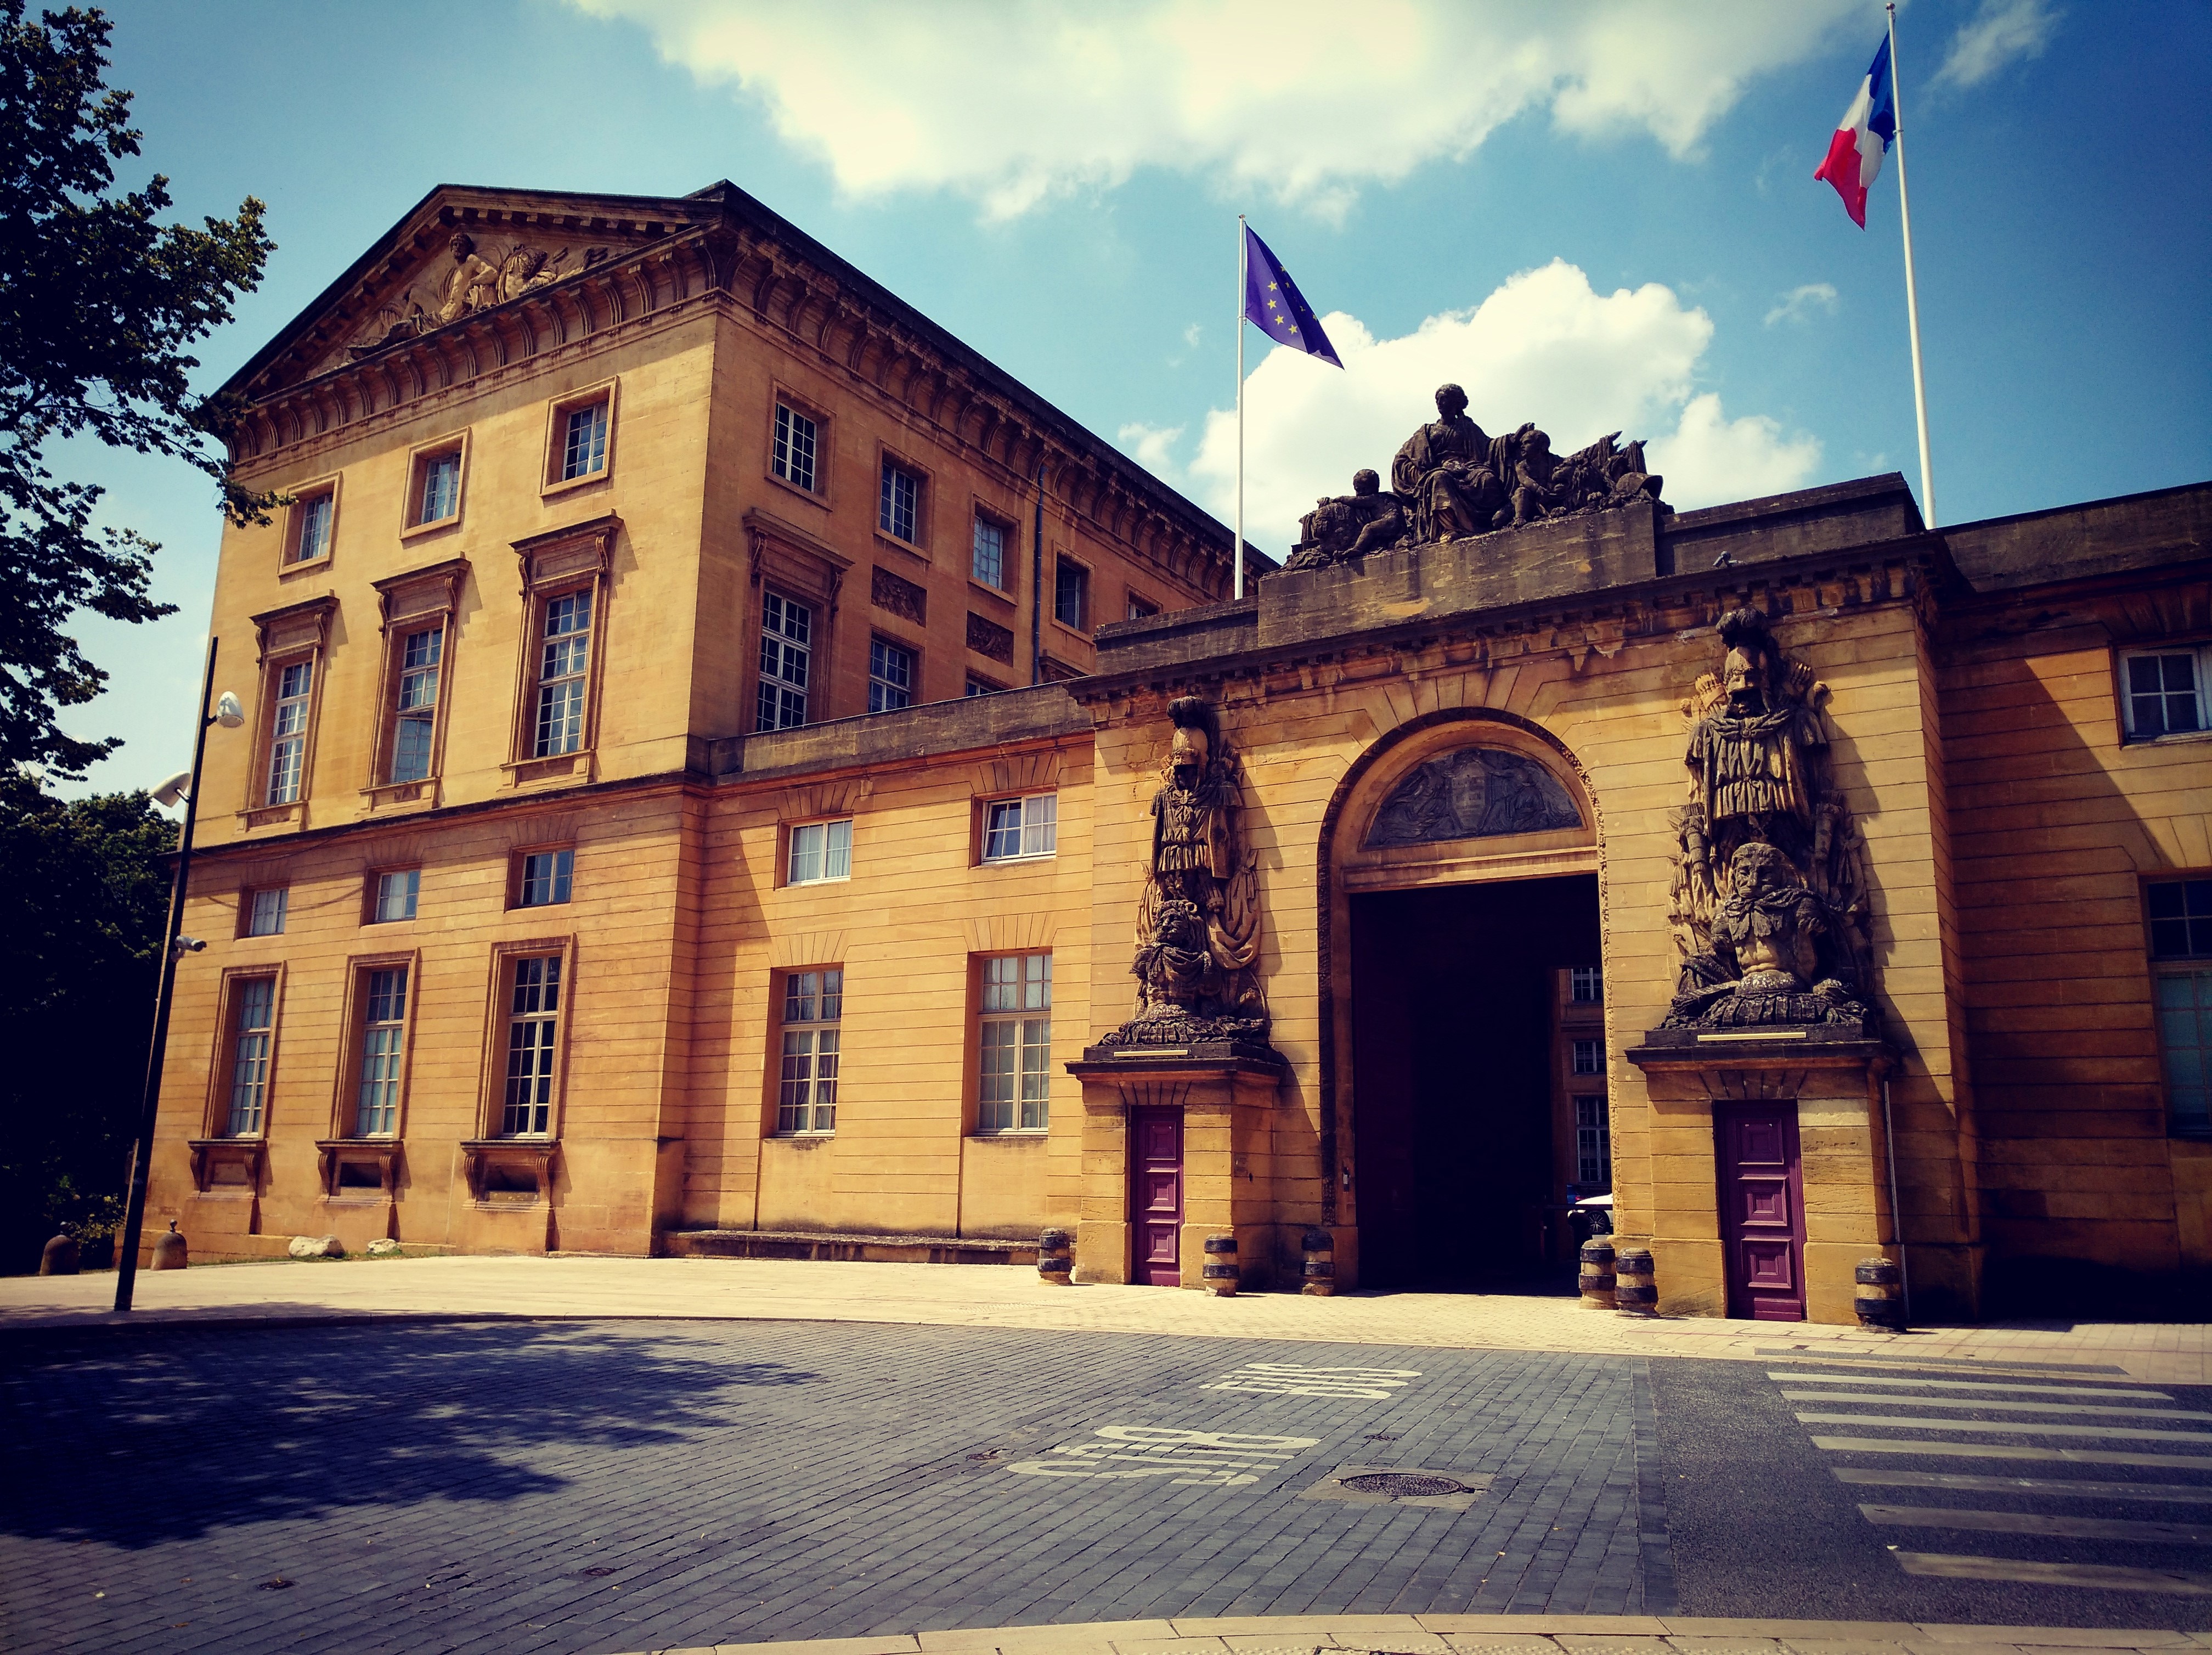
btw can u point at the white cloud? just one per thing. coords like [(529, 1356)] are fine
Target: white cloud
[(1191, 334), (1151, 447), (1543, 347), (1013, 101), (1799, 303), (2002, 31)]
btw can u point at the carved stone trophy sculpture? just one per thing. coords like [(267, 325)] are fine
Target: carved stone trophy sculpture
[(1769, 901), (1198, 922), (1349, 526)]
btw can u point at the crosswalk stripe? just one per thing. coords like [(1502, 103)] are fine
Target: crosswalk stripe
[(1939, 1449), (1990, 1403), (2024, 1428), (2172, 1494), (2064, 1528), (2107, 1576), (1800, 1353), (1800, 1375)]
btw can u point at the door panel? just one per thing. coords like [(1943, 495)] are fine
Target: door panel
[(1762, 1202), (1156, 1196)]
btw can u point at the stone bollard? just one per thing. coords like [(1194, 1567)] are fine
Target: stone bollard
[(1879, 1296), (169, 1250), (1055, 1257), (1598, 1277), (60, 1257), (1634, 1293), (1320, 1273), (1221, 1266)]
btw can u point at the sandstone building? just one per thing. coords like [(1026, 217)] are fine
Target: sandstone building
[(705, 726)]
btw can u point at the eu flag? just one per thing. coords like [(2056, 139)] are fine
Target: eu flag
[(1273, 304)]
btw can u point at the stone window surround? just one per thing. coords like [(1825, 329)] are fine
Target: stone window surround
[(2122, 709), (514, 865), (412, 493), (781, 391), (215, 1111), (916, 663), (345, 1093), (1010, 558), (978, 1018), (786, 558), (409, 603), (555, 565), (491, 1090), (925, 501), (552, 484), (303, 495), (783, 837), (772, 1068), (1061, 555), (286, 637)]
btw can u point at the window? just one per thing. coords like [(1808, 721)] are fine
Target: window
[(395, 896), (795, 447), (546, 875), (890, 676), (807, 1100), (2162, 691), (819, 851), (2180, 913), (1593, 1142), (982, 687), (287, 732), (1020, 827), (1585, 985), (1015, 1069), (1588, 1057), (533, 1019), (988, 561), (254, 1028), (901, 502), (1070, 594), (583, 441), (383, 1025), (1141, 608), (785, 629), (313, 517), (265, 912), (438, 496), (417, 713), (565, 652)]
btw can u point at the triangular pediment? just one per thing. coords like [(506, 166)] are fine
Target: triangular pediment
[(461, 251)]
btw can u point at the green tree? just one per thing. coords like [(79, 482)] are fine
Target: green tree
[(84, 909), (98, 302)]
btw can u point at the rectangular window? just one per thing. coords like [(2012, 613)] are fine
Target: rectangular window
[(982, 687), (2180, 915), (786, 631), (584, 447), (264, 914), (440, 495), (2181, 918), (383, 1024), (819, 851), (253, 1029), (533, 1021), (795, 447), (395, 896), (1014, 828), (564, 653), (899, 504), (989, 564), (1593, 1142), (807, 1100), (891, 677), (314, 517), (2162, 691), (417, 713), (1588, 1057), (546, 878), (1585, 985), (1014, 1066), (287, 732), (1141, 608), (1070, 594)]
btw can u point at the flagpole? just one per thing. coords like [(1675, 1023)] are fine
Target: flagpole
[(1243, 281), (1911, 298)]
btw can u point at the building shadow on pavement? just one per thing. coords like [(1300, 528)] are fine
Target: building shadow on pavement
[(168, 1433)]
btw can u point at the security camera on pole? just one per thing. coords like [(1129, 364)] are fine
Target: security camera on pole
[(183, 787)]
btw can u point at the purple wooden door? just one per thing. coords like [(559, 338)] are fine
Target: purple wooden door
[(1762, 1201), (1156, 1196)]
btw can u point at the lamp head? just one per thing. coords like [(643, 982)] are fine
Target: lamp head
[(228, 712), (175, 790)]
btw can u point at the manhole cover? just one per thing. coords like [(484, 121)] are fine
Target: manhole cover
[(1402, 1485)]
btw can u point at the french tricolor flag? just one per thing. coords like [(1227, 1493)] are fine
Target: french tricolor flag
[(1863, 138)]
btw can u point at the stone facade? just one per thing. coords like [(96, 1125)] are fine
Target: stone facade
[(1447, 719)]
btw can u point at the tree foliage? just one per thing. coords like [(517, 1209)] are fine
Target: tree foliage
[(97, 303), (84, 909)]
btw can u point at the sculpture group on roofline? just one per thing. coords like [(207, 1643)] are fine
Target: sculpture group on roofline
[(1451, 480)]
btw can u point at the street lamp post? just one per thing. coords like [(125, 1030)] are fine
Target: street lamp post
[(173, 945)]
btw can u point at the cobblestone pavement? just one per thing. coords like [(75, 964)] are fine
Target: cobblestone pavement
[(611, 1486)]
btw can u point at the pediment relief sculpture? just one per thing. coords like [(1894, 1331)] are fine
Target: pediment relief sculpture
[(473, 275), (1769, 901), (1198, 921), (1473, 793), (1452, 480)]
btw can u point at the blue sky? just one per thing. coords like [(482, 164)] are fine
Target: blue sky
[(1594, 217)]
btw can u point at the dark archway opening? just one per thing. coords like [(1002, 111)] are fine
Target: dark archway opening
[(1457, 1138)]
